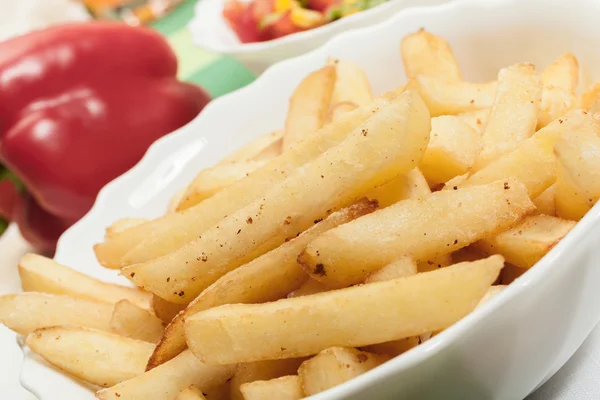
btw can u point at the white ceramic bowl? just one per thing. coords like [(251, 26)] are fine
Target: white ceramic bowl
[(503, 350), (211, 32)]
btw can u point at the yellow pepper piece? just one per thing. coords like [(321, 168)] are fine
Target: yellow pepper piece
[(282, 6), (304, 18)]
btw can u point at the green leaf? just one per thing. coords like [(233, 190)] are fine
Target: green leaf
[(7, 174), (3, 225)]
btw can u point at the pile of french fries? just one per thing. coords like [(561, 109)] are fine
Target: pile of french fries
[(316, 253)]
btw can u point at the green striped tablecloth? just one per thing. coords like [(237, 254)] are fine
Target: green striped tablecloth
[(217, 73)]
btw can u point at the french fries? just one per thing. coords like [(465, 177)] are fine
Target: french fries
[(404, 266), (266, 278), (395, 347), (339, 109), (426, 54), (560, 82), (261, 371), (590, 99), (514, 114), (168, 233), (492, 291), (334, 366), (122, 225), (351, 84), (284, 388), (164, 310), (309, 287), (388, 144), (411, 185), (477, 120), (452, 98), (528, 241), (190, 393), (133, 322), (167, 380), (545, 203), (452, 151), (356, 316), (533, 162), (41, 274), (28, 311), (578, 179), (309, 105), (211, 180), (97, 357), (422, 229), (265, 146)]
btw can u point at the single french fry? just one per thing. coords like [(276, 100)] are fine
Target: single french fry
[(211, 180), (387, 145), (266, 278), (560, 82), (122, 225), (441, 261), (590, 99), (578, 180), (452, 150), (309, 105), (424, 53), (253, 150), (167, 380), (136, 323), (404, 266), (411, 185), (395, 347), (514, 113), (533, 162), (355, 316), (491, 292), (477, 119), (339, 109), (528, 241), (351, 84), (261, 371), (165, 310), (41, 274), (97, 357), (309, 287), (28, 311), (444, 222), (334, 366), (284, 388), (168, 233), (544, 202), (190, 393), (444, 98)]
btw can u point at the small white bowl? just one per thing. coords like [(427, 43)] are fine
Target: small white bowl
[(503, 350), (212, 32)]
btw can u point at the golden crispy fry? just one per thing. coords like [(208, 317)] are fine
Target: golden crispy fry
[(136, 323), (190, 393), (261, 371), (170, 232), (355, 316), (334, 366), (452, 97), (404, 266), (562, 73), (442, 223), (164, 310), (544, 203), (309, 105), (339, 109), (266, 278), (560, 82), (411, 185), (26, 312), (97, 357), (590, 99), (514, 114), (122, 225), (269, 145), (578, 180), (528, 241), (424, 53), (387, 145), (477, 119), (41, 274), (491, 292), (284, 388), (452, 151), (351, 83), (434, 263), (167, 380), (211, 180), (533, 162)]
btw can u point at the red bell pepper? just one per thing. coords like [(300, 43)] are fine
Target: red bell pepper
[(81, 103)]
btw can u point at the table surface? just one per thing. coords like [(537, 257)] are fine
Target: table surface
[(579, 379)]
